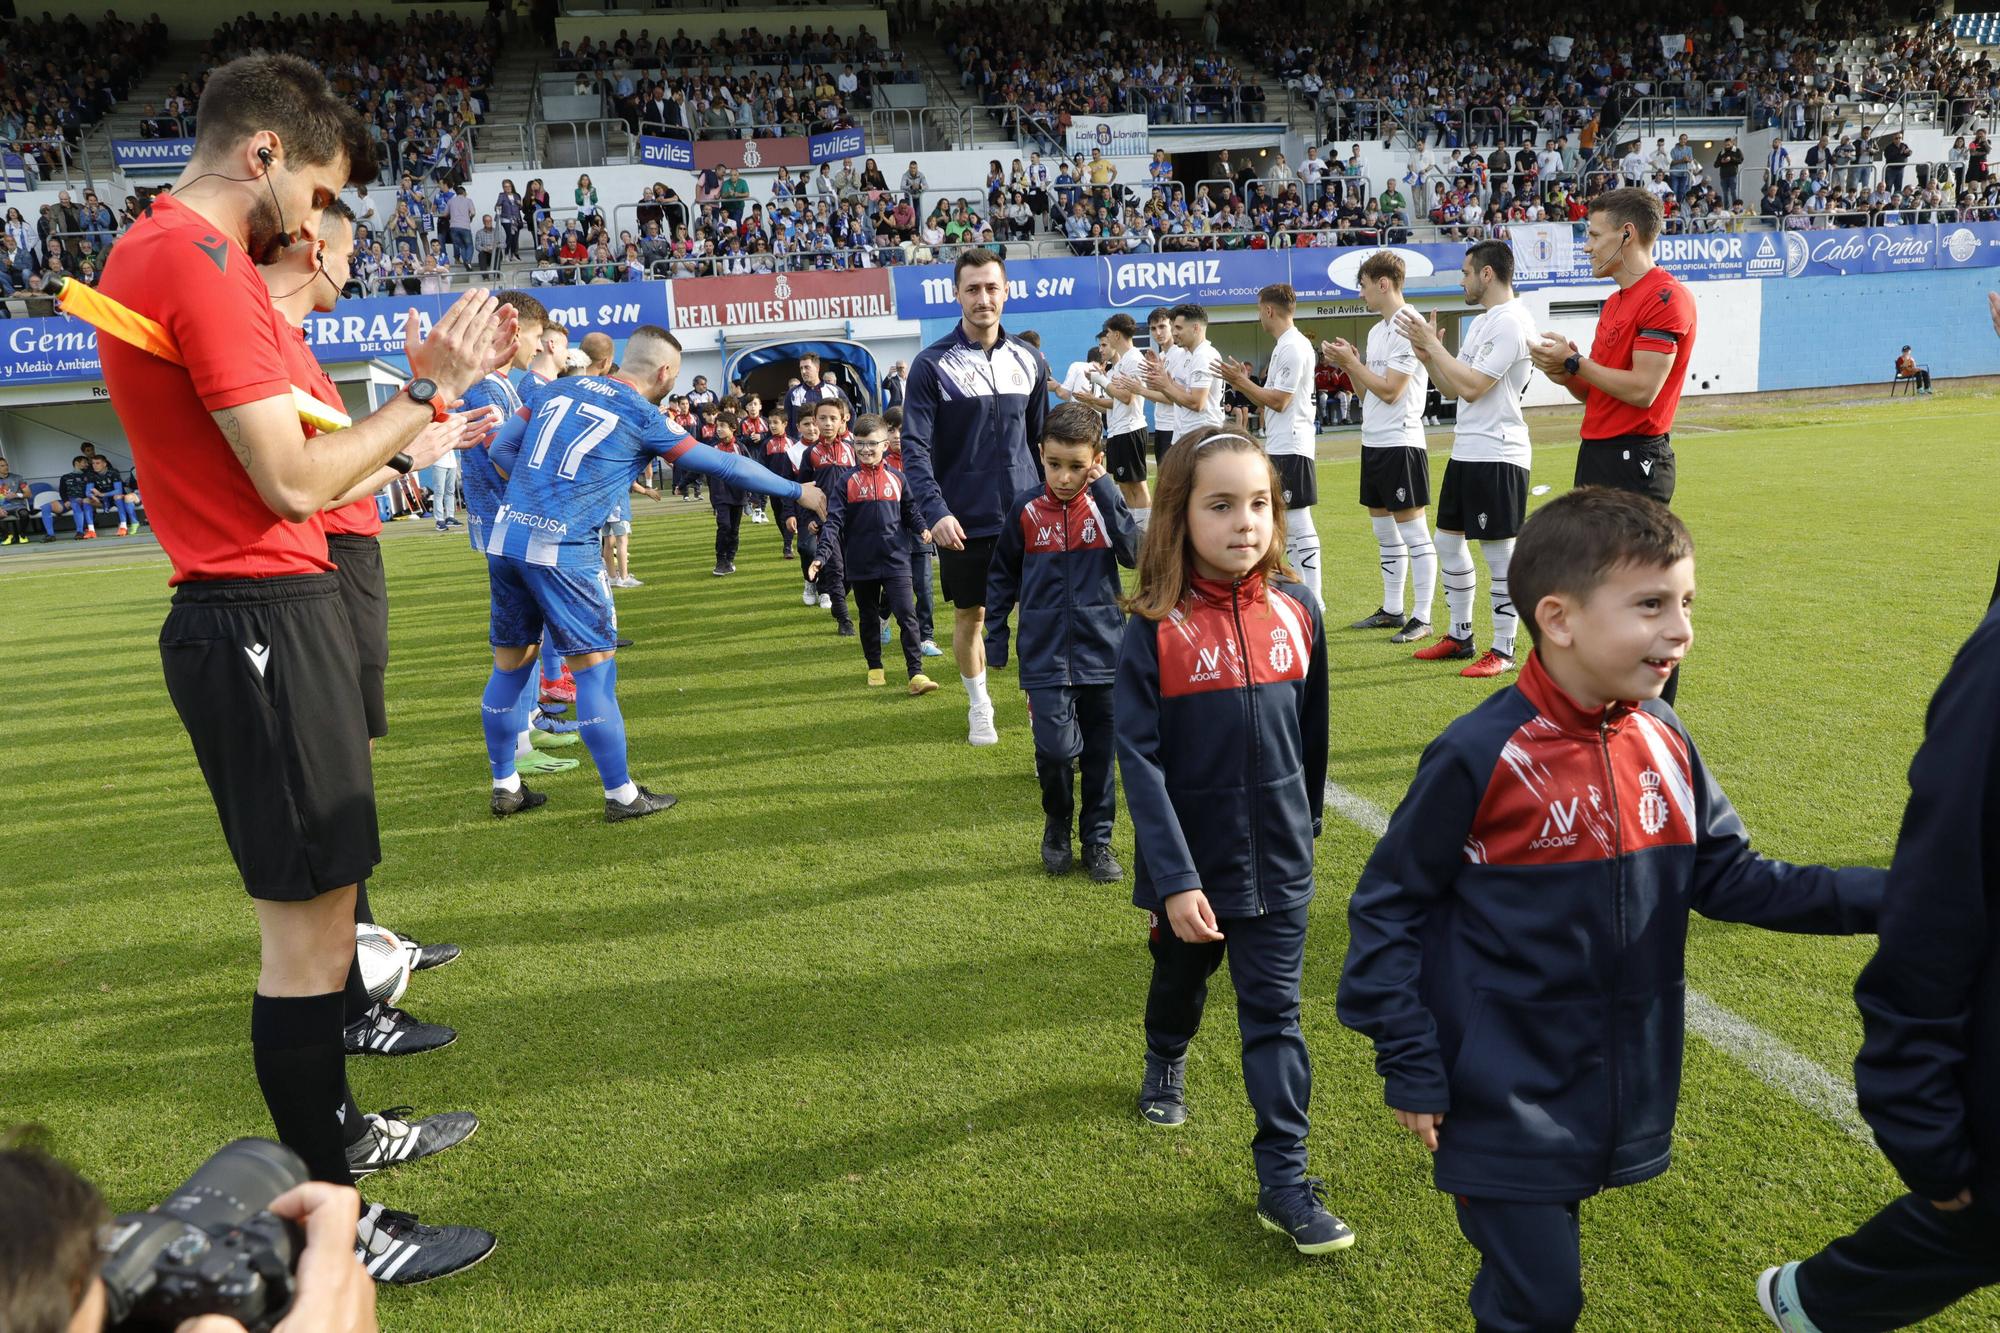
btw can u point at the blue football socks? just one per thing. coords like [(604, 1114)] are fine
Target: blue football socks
[(602, 724), (502, 718)]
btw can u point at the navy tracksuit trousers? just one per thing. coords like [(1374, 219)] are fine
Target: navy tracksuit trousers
[(1072, 723), (1530, 1264), (1905, 1264), (1267, 957)]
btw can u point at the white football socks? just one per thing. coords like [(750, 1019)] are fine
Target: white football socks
[(510, 783), (524, 744), (1395, 561), (1461, 583), (1423, 566), (975, 690), (1141, 517), (624, 795), (1302, 548), (1500, 554)]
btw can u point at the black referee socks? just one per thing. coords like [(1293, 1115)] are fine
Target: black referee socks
[(301, 1064)]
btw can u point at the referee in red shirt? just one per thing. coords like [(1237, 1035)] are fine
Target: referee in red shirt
[(1630, 384), (258, 656)]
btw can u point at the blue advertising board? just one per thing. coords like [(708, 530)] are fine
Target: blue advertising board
[(927, 291), (49, 351), (1229, 277), (835, 145), (152, 154), (677, 154)]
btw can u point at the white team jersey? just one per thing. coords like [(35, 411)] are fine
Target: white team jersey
[(1293, 430), (1493, 430), (1077, 377), (1199, 368), (1397, 425), (1168, 416), (1125, 418)]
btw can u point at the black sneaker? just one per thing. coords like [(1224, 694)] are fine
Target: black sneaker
[(645, 803), (846, 630), (1299, 1211), (392, 1140), (1162, 1097), (387, 1030), (396, 1248), (718, 571), (1380, 620), (1056, 855), (1413, 630), (514, 802), (1102, 865), (425, 957)]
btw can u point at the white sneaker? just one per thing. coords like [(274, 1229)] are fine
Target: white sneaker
[(632, 581), (980, 731), (758, 516), (810, 595), (825, 602)]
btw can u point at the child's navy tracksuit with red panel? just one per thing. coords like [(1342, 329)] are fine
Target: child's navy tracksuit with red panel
[(1059, 560), (1222, 742), (870, 521), (1516, 956)]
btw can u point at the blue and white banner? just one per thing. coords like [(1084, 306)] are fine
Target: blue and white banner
[(48, 351), (1230, 277), (835, 145), (676, 154), (151, 154), (1114, 136), (1033, 285)]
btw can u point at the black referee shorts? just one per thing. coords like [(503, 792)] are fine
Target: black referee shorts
[(364, 592), (1642, 463), (262, 673)]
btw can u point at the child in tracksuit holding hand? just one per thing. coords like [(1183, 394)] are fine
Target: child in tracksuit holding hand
[(1058, 554), (869, 518), (1517, 937), (1222, 741)]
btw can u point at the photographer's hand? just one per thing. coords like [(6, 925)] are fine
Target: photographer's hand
[(335, 1294)]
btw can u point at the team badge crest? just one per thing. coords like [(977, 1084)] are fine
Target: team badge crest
[(1652, 805), (1089, 531), (1281, 656)]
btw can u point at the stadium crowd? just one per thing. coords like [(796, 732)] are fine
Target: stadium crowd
[(62, 77)]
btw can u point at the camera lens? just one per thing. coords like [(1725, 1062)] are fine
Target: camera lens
[(238, 1182)]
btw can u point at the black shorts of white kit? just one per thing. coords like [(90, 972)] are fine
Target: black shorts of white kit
[(1485, 501), (962, 574), (1125, 456), (1395, 478), (364, 591), (1642, 463), (1298, 480), (1163, 440), (262, 673)]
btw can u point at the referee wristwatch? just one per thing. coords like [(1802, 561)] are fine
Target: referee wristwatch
[(1572, 363), (424, 393)]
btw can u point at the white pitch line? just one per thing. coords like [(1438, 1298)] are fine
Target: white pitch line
[(1775, 1064)]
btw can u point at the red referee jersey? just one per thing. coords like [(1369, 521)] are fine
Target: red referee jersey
[(362, 518), (1654, 314), (177, 268)]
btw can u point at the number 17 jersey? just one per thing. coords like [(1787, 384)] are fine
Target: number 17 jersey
[(570, 464)]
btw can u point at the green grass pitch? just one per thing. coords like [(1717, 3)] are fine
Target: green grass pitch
[(823, 1048)]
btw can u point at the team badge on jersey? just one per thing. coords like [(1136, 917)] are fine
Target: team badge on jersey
[(1281, 649), (1653, 811)]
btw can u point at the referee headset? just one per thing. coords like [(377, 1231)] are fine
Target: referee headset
[(283, 240)]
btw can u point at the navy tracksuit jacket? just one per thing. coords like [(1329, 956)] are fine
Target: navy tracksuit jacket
[(1060, 561), (1928, 1075), (1222, 740), (870, 517), (972, 421)]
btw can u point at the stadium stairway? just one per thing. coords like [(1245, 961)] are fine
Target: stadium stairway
[(181, 57), (511, 103)]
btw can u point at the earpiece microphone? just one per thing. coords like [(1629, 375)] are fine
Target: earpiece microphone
[(284, 238)]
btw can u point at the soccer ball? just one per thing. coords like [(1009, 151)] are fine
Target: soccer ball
[(385, 964)]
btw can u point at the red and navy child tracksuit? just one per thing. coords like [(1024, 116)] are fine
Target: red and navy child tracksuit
[(1516, 947), (826, 460), (1222, 742), (870, 519), (1060, 561), (1928, 1076), (752, 434), (727, 501), (775, 451)]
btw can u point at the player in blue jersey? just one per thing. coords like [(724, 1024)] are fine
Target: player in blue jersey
[(588, 441), (485, 488)]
